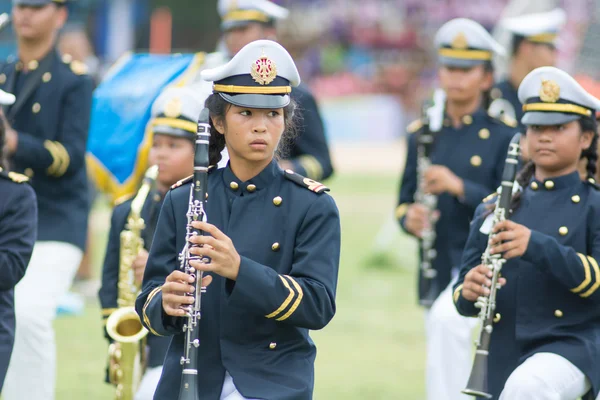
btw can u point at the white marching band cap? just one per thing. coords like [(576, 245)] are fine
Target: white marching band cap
[(550, 96), (463, 43), (235, 13), (175, 112), (260, 75), (6, 99), (539, 27)]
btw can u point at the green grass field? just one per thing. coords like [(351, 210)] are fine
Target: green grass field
[(373, 348)]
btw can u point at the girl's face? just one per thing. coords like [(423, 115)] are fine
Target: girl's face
[(464, 84), (174, 157), (251, 134), (556, 149)]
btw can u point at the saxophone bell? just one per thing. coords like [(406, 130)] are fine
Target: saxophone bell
[(127, 354)]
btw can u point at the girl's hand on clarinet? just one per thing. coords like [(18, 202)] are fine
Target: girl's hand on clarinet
[(174, 297), (477, 283), (416, 219), (511, 239), (224, 258), (439, 179)]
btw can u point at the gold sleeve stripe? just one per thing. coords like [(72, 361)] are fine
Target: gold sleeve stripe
[(64, 158), (51, 147), (314, 169), (107, 311), (148, 300), (596, 284), (296, 303), (456, 293), (588, 274), (401, 210), (285, 303)]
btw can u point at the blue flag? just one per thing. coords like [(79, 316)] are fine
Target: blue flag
[(119, 139)]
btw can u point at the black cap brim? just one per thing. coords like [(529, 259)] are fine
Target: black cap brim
[(459, 62), (171, 131), (257, 100), (35, 3), (548, 118)]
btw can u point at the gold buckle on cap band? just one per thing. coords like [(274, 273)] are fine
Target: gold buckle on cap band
[(252, 89), (466, 54), (542, 38), (558, 107), (246, 15), (176, 123)]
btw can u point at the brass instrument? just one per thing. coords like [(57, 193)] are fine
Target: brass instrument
[(478, 380), (127, 353), (433, 118)]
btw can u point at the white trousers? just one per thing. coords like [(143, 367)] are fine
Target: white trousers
[(32, 369), (148, 384), (545, 376), (229, 391), (450, 349)]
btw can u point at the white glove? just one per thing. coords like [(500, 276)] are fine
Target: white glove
[(6, 99)]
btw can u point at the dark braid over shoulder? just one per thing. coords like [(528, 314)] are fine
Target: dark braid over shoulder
[(591, 153), (523, 178)]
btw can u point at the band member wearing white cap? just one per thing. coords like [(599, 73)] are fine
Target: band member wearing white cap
[(467, 158), (533, 44), (270, 247), (544, 343), (175, 113), (244, 21)]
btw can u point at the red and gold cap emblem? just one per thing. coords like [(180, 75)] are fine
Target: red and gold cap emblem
[(263, 70)]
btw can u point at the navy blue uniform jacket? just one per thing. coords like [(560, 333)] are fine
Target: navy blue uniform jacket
[(475, 153), (51, 115), (256, 328), (309, 152), (18, 229), (551, 297)]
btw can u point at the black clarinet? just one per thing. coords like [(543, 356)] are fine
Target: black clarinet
[(433, 114), (196, 212), (478, 381)]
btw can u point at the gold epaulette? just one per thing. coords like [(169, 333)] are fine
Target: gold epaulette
[(14, 176), (414, 126), (182, 181), (307, 183)]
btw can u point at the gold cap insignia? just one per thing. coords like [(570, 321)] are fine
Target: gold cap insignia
[(263, 70), (460, 41), (173, 108), (550, 91)]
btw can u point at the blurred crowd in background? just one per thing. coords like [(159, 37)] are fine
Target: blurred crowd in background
[(343, 48)]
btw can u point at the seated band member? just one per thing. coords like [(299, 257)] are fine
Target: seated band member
[(273, 242), (544, 343), (175, 113)]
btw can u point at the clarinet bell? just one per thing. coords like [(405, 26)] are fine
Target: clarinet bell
[(477, 384), (428, 290)]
